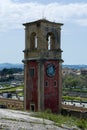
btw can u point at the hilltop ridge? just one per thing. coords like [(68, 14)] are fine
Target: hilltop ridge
[(11, 65), (75, 66), (21, 65)]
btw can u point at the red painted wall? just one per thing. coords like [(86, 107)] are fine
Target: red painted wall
[(51, 91), (51, 96), (32, 86)]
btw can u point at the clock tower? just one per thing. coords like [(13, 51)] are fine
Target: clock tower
[(42, 66)]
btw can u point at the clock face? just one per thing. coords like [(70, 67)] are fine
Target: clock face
[(50, 70)]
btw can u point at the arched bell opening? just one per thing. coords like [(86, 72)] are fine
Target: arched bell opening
[(33, 41), (50, 41)]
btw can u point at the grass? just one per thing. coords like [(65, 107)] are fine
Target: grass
[(82, 124), (20, 94), (9, 89), (63, 120)]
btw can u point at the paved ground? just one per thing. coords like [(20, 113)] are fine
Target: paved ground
[(18, 120)]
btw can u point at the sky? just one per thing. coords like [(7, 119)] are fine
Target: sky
[(72, 13)]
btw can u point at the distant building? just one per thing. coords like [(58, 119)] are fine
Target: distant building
[(69, 71), (66, 71), (18, 76), (84, 71)]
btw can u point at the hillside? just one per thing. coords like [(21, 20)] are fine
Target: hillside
[(10, 65), (19, 120), (75, 66)]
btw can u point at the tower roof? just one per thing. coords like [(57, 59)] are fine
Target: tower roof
[(42, 21)]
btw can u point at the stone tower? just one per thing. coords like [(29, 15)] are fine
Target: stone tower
[(42, 66)]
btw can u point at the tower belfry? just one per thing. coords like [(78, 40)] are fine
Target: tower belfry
[(42, 66)]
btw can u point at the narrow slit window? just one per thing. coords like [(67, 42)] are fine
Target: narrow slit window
[(46, 83), (55, 83)]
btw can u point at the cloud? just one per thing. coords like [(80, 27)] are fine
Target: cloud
[(81, 22), (13, 13)]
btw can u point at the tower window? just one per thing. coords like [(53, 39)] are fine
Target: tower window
[(31, 72)]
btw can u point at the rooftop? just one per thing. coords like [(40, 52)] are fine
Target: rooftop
[(42, 20)]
